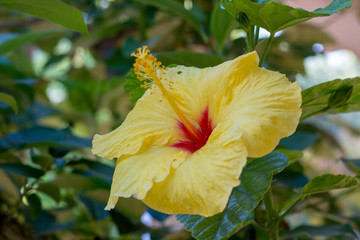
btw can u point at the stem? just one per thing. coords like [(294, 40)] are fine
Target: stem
[(257, 31), (268, 44), (250, 34), (272, 216), (290, 208)]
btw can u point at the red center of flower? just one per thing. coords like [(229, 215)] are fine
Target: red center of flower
[(193, 142)]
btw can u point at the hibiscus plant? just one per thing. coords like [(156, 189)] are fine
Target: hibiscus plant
[(222, 141)]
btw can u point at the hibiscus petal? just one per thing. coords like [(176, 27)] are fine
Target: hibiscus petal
[(266, 105), (152, 121), (135, 175), (196, 89), (203, 183)]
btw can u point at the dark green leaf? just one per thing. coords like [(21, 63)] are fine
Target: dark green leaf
[(79, 182), (21, 169), (220, 25), (53, 10), (336, 96), (9, 100), (96, 168), (188, 58), (133, 86), (43, 160), (352, 164), (275, 16), (51, 190), (255, 181), (178, 9), (329, 182), (44, 136), (300, 140), (34, 205), (22, 40)]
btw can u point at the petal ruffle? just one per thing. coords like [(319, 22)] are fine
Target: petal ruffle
[(135, 175), (266, 105), (203, 183), (151, 122)]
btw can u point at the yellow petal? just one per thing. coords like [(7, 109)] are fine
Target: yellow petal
[(195, 89), (266, 105), (151, 121), (203, 183), (136, 174)]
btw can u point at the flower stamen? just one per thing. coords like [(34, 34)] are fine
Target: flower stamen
[(147, 67)]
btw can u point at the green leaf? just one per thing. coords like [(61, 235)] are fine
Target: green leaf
[(79, 182), (178, 9), (255, 181), (352, 164), (23, 39), (336, 96), (51, 190), (275, 16), (53, 10), (133, 86), (188, 58), (43, 160), (220, 25), (44, 136), (9, 100), (35, 205), (328, 182), (21, 169), (325, 230)]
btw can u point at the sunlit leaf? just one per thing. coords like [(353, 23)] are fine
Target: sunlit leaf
[(23, 39), (329, 182), (53, 10), (336, 96), (255, 181), (274, 16), (178, 9), (9, 100)]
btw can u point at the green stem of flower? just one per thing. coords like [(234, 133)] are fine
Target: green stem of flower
[(257, 31), (272, 216), (268, 44), (251, 41)]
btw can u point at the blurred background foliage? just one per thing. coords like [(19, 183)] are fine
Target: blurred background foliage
[(59, 87)]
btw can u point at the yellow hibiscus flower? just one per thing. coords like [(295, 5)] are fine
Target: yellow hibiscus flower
[(182, 148)]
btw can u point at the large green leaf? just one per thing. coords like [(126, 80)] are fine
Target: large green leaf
[(336, 96), (255, 181), (23, 39), (9, 100), (53, 10), (220, 25), (329, 182), (276, 16), (178, 9), (188, 58)]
